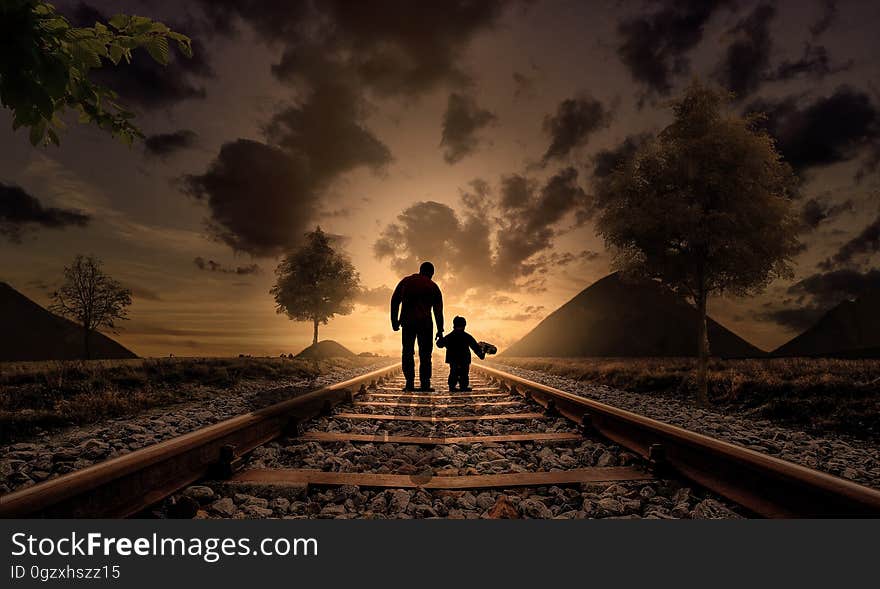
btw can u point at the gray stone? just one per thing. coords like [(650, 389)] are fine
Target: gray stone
[(609, 506), (534, 509), (224, 506), (399, 500), (200, 493)]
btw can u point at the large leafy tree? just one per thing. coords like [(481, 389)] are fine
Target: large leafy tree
[(45, 64), (315, 282), (91, 298), (704, 207)]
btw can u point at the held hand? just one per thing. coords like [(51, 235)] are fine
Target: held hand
[(395, 325), (439, 333)]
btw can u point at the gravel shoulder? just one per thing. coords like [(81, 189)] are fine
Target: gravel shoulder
[(837, 454), (52, 454)]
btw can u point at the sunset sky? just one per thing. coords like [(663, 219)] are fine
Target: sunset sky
[(467, 133)]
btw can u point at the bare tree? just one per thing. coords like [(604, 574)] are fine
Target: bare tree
[(315, 282), (90, 297), (705, 207)]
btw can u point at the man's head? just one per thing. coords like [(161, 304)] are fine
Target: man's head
[(426, 269), (459, 322)]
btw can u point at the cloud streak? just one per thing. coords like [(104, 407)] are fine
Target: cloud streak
[(21, 212), (462, 122)]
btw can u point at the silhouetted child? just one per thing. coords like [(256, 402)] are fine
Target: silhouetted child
[(459, 344)]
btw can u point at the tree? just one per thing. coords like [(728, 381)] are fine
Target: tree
[(705, 207), (45, 64), (90, 297), (315, 282)]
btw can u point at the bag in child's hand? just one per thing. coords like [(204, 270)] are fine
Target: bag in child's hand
[(487, 348)]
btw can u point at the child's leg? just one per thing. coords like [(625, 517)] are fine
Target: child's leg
[(453, 377), (464, 377)]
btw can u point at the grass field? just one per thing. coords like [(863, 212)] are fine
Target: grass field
[(814, 394), (46, 395)]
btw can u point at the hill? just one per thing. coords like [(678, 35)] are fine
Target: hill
[(30, 332), (617, 318), (326, 349), (849, 330)]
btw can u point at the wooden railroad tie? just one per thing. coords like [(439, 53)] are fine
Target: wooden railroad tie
[(385, 438), (432, 396), (428, 481), (437, 405), (434, 418)]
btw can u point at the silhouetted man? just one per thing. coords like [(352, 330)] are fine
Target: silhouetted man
[(418, 294)]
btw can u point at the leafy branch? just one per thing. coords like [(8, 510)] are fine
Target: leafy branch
[(45, 64)]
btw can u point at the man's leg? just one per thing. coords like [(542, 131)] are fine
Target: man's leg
[(464, 377), (425, 336), (408, 341)]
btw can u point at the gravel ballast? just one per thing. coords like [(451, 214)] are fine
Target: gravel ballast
[(50, 455), (654, 499), (857, 460)]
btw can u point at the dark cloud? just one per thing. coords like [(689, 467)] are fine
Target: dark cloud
[(379, 297), (21, 212), (815, 63), (327, 130), (575, 120), (605, 161), (392, 47), (264, 196), (826, 19), (462, 122), (814, 296), (743, 67), (817, 211), (162, 145), (143, 82), (260, 197), (488, 246), (798, 318), (654, 47), (828, 130), (424, 231), (478, 199), (212, 266), (529, 218), (861, 246)]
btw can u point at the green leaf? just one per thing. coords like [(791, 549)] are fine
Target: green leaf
[(116, 53), (120, 21), (158, 49)]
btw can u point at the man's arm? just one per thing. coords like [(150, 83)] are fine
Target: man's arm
[(477, 348), (438, 309), (396, 297)]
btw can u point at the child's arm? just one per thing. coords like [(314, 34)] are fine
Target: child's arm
[(477, 348)]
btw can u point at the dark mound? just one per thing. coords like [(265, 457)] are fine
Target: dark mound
[(30, 332), (849, 330), (326, 349), (613, 317)]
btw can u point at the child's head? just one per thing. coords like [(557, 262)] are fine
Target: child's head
[(459, 322)]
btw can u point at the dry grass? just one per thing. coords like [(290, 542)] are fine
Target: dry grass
[(817, 394), (45, 395)]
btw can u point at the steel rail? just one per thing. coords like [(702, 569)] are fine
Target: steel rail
[(763, 484), (123, 486)]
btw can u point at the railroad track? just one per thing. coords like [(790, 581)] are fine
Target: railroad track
[(366, 433)]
